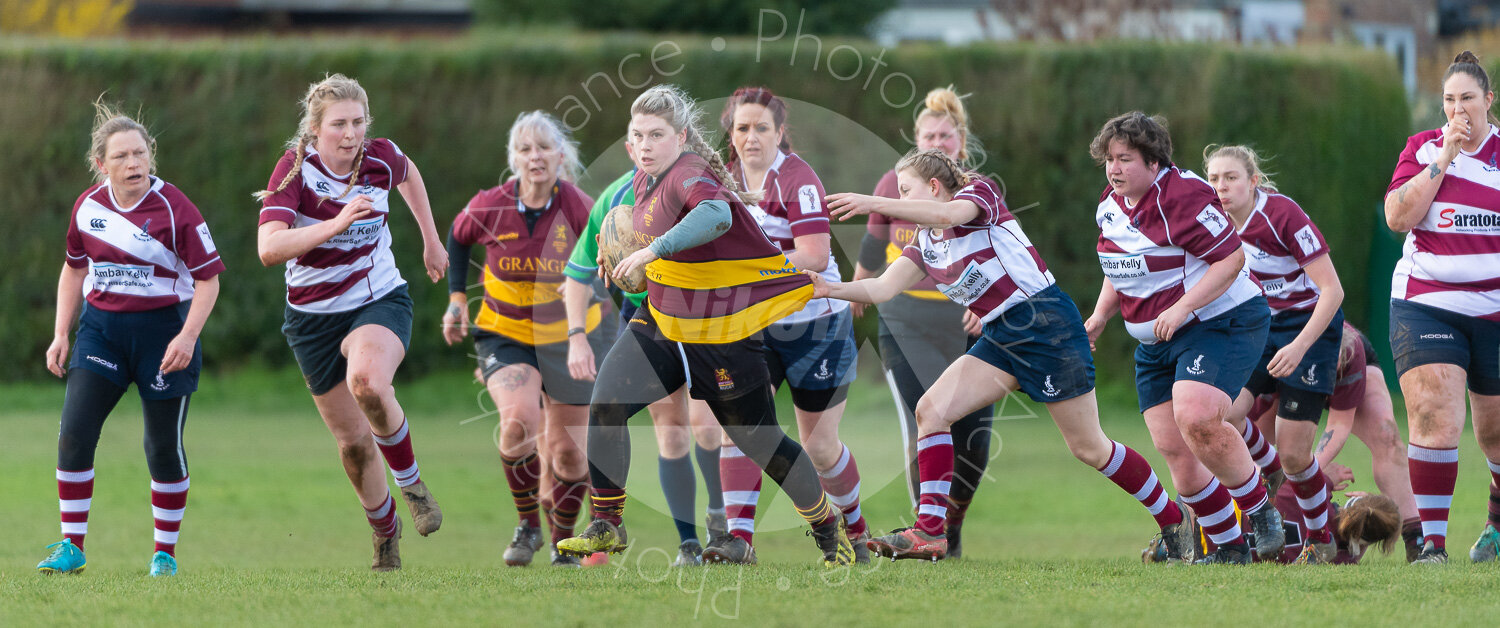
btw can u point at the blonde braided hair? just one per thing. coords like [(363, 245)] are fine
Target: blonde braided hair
[(935, 164)]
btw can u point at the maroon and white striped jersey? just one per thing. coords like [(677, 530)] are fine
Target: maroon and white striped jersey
[(792, 207), (1155, 252), (354, 267), (142, 257), (987, 264), (1451, 259), (1279, 241)]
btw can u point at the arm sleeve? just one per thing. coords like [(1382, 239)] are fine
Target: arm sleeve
[(1407, 166), (1303, 239), (1198, 225), (458, 263), (388, 152), (76, 256), (583, 263), (992, 210), (195, 245), (805, 210), (872, 252), (282, 206), (708, 219)]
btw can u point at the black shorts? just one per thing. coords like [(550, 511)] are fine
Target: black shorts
[(644, 366), (127, 347), (496, 352), (1422, 335), (317, 339)]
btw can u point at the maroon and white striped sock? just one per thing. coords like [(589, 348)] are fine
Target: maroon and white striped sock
[(935, 470), (75, 494), (567, 500), (396, 448), (740, 477), (1129, 471), (841, 483), (168, 501), (383, 519), (1311, 487), (523, 476), (1250, 495), (1494, 493), (1261, 450), (1433, 474), (1215, 510)]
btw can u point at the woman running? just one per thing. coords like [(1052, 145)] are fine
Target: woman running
[(1033, 340), (1174, 268), (143, 268), (812, 350), (1445, 309), (1288, 255), (922, 332), (528, 226), (348, 317), (714, 282)]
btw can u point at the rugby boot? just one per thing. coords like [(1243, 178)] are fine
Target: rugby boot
[(65, 558), (523, 546), (387, 550), (163, 564), (599, 536), (1235, 554), (729, 549), (560, 560), (425, 513), (1487, 548), (955, 539), (689, 554), (717, 524), (1270, 537), (833, 539), (861, 548), (1431, 555), (910, 543)]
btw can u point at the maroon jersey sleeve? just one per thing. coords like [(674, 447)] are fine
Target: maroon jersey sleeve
[(1196, 222), (803, 194), (914, 253), (689, 184), (282, 206), (469, 226), (1303, 239), (1349, 391), (76, 256), (580, 206), (983, 195), (195, 245), (387, 152), (1407, 165)]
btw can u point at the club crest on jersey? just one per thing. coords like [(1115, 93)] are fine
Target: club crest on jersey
[(160, 384), (144, 235), (725, 382), (97, 224), (1212, 220), (1197, 366), (1307, 240), (1311, 378), (560, 239), (650, 209), (1047, 387)]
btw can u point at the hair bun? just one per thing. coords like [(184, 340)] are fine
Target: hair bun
[(1466, 57)]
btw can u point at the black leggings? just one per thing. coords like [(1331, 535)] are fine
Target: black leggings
[(639, 371), (88, 402)]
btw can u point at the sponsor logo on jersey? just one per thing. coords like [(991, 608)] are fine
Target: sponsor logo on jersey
[(969, 287), (1197, 366), (1047, 387), (144, 235), (650, 211), (786, 269), (107, 276), (1110, 217), (1212, 220), (1123, 266), (208, 240), (1469, 220), (929, 255), (322, 188), (101, 362), (1273, 286), (97, 224), (725, 382), (160, 384), (504, 237), (1311, 378)]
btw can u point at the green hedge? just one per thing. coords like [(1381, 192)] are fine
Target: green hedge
[(222, 110)]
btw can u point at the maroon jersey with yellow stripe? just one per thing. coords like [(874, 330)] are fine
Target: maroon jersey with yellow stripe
[(721, 291), (523, 268)]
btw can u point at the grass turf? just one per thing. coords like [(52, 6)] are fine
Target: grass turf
[(273, 534)]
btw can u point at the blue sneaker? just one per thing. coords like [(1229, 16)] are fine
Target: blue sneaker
[(65, 558), (162, 564)]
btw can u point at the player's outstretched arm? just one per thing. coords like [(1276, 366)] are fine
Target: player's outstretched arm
[(902, 274), (938, 214)]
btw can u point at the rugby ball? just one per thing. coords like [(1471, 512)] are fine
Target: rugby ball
[(617, 240)]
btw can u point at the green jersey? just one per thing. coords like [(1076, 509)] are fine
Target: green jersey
[(583, 265)]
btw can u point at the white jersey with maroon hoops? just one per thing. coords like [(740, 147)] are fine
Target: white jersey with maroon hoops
[(1156, 251), (1279, 241), (354, 267), (1451, 259), (142, 257), (793, 206), (987, 264)]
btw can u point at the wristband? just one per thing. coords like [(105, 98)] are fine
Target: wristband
[(573, 331)]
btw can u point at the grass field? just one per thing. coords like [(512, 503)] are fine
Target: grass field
[(273, 535)]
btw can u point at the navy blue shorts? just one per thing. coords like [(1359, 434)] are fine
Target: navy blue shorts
[(1318, 371), (1422, 334), (1041, 342), (813, 355), (127, 347), (1221, 352), (317, 339)]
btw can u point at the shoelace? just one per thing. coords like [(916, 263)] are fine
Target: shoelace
[(58, 550)]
